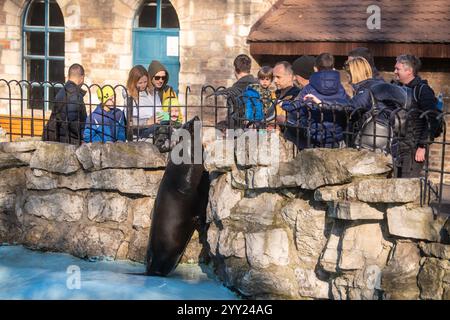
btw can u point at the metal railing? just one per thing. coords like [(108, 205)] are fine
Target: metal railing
[(307, 125)]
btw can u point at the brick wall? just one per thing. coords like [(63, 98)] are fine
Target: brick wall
[(99, 36)]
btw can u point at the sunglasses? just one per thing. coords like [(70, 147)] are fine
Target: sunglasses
[(157, 78)]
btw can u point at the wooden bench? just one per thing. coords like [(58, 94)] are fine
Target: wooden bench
[(22, 126)]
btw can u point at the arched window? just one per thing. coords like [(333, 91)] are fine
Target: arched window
[(159, 14), (156, 35), (43, 48)]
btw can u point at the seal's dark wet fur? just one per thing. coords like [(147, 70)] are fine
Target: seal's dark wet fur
[(179, 206)]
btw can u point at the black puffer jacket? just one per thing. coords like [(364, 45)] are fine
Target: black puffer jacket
[(361, 99), (70, 113)]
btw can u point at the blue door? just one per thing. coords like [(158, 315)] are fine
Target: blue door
[(156, 37)]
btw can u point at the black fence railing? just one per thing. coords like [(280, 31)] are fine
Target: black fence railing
[(388, 129)]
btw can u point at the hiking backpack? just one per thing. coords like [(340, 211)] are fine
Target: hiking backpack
[(253, 105), (387, 119)]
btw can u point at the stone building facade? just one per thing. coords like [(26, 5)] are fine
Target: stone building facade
[(98, 34)]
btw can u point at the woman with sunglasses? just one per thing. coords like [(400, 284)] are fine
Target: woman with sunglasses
[(158, 85)]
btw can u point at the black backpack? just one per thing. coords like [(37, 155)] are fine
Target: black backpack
[(387, 119), (52, 127)]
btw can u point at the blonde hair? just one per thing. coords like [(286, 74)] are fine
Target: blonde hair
[(359, 69), (135, 74)]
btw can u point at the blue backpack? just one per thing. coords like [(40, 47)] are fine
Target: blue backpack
[(253, 105)]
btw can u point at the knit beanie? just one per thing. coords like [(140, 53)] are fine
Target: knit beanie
[(304, 66)]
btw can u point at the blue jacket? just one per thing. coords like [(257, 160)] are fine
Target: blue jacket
[(319, 127), (326, 85), (103, 126)]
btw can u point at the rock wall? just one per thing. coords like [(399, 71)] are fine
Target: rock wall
[(325, 224), (328, 224), (91, 201)]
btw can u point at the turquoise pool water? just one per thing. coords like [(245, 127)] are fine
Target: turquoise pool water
[(26, 274)]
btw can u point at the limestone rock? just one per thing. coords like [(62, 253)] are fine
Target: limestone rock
[(20, 146), (311, 169), (55, 157), (290, 211), (122, 252), (286, 150), (261, 178), (58, 206), (10, 161), (333, 193), (138, 245), (213, 238), (107, 207), (330, 257), (388, 190), (40, 180), (437, 250), (93, 241), (12, 180), (363, 245), (415, 222), (24, 157), (399, 278), (434, 279), (238, 178), (373, 191), (310, 230), (363, 284), (347, 210), (279, 284), (222, 198), (132, 181), (219, 155), (97, 156), (90, 155), (194, 250), (365, 162), (49, 235), (10, 228), (127, 181), (258, 210), (310, 285), (7, 202), (314, 168), (141, 210), (266, 248), (255, 148), (231, 243)]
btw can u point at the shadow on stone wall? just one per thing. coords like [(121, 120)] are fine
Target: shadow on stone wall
[(92, 201), (326, 224)]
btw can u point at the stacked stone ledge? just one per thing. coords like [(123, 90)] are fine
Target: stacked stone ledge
[(90, 201), (326, 224)]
